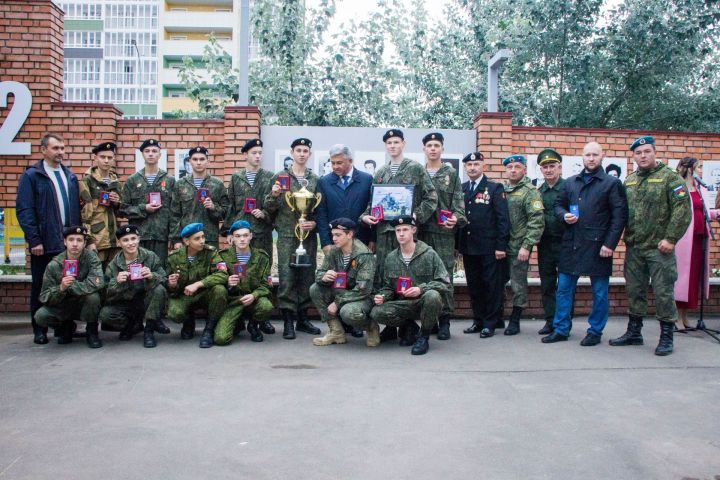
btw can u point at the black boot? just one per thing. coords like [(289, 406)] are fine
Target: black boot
[(633, 335), (355, 332), (435, 329), (137, 326), (239, 327), (408, 334), (188, 329), (64, 334), (665, 345), (254, 330), (304, 325), (513, 327), (474, 328), (421, 345), (92, 338), (149, 335), (444, 329), (160, 327), (206, 340), (547, 328), (288, 324), (40, 335), (267, 327), (388, 334)]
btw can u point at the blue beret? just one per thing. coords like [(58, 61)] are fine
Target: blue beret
[(238, 224), (191, 229), (198, 149), (404, 220), (472, 157), (250, 144), (126, 230), (151, 142), (343, 224), (301, 141), (513, 159), (642, 141), (548, 156), (104, 147), (434, 136), (393, 133)]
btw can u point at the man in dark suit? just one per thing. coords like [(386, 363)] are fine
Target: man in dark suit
[(483, 245)]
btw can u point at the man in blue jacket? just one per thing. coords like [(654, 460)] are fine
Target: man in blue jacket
[(47, 200)]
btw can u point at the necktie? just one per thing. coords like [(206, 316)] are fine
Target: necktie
[(63, 193), (346, 179), (472, 186)]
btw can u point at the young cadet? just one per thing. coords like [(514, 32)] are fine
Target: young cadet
[(248, 289), (343, 286), (198, 198), (71, 289), (196, 278), (100, 200), (135, 289), (414, 283), (147, 197)]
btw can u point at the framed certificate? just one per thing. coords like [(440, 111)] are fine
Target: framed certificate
[(396, 200)]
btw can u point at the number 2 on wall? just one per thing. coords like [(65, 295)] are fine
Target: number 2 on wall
[(15, 119)]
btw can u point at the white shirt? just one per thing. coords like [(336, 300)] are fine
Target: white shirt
[(58, 195)]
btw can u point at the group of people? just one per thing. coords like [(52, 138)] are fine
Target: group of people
[(126, 256)]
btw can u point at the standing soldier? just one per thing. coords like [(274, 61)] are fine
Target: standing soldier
[(249, 268), (294, 288), (439, 231), (343, 286), (526, 227), (660, 213), (135, 288), (198, 198), (550, 163), (147, 196), (71, 289), (197, 278), (100, 201)]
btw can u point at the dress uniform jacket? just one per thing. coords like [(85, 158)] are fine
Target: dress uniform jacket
[(488, 227)]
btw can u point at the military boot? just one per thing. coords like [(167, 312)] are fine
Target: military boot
[(289, 325), (127, 331), (64, 334), (373, 334), (160, 327), (355, 332), (267, 327), (632, 336), (335, 334), (206, 340), (513, 327), (256, 334), (92, 338), (149, 334), (665, 345), (422, 344), (547, 328), (40, 335), (444, 329), (408, 334), (388, 334), (304, 325), (239, 327), (188, 329)]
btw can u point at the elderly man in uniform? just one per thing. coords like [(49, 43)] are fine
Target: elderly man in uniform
[(659, 214), (71, 289), (196, 278), (414, 283), (526, 227), (343, 286), (135, 288)]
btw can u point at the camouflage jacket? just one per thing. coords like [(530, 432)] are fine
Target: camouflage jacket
[(360, 273), (526, 216), (256, 276), (286, 219), (89, 280), (127, 290), (659, 207), (426, 270), (554, 227), (99, 219), (153, 226), (240, 189), (208, 268), (450, 197), (186, 208), (425, 199)]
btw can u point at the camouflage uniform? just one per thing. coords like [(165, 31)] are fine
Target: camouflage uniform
[(659, 209), (186, 208), (99, 219), (354, 302), (526, 226), (549, 248), (79, 300), (427, 271), (238, 190), (132, 299), (255, 282), (154, 227)]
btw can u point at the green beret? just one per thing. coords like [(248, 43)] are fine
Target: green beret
[(404, 220), (104, 147), (548, 156), (392, 134), (126, 230), (301, 141), (434, 136), (472, 157), (149, 143), (513, 159), (191, 229), (642, 141)]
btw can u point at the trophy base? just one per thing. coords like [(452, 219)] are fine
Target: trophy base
[(300, 260)]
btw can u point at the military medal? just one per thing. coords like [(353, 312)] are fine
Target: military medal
[(477, 198), (486, 197)]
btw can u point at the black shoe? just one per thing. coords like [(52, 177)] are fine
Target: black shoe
[(633, 334), (444, 330), (547, 328), (665, 345), (188, 330), (513, 328), (357, 333), (206, 340), (304, 325), (40, 336), (160, 327), (435, 329), (474, 328), (388, 334), (255, 332), (92, 338), (288, 325), (408, 334), (421, 345), (267, 327), (590, 340), (487, 332), (554, 337), (149, 338)]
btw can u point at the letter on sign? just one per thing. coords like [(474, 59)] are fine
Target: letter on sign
[(15, 119)]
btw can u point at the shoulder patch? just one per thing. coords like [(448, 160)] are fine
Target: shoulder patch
[(537, 205), (680, 191)]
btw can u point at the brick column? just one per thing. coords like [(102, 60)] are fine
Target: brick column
[(494, 139), (241, 124)]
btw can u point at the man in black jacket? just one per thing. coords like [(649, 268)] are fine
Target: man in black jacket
[(594, 207), (483, 244)]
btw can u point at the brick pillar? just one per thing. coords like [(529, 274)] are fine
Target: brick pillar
[(494, 139), (241, 124)]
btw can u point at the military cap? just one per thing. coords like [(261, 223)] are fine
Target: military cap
[(198, 149), (301, 141), (191, 229), (403, 220), (513, 159), (238, 224), (250, 144), (151, 142), (104, 147), (392, 133), (127, 230), (434, 136), (74, 230), (548, 156), (343, 223), (642, 141), (471, 157)]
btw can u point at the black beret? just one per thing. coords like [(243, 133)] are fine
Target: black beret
[(250, 144), (434, 136), (198, 149), (471, 157), (343, 224), (301, 141), (74, 230), (404, 220), (151, 142), (126, 230), (104, 147), (393, 133)]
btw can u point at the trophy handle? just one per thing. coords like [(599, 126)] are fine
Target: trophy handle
[(288, 196), (318, 197), (301, 234)]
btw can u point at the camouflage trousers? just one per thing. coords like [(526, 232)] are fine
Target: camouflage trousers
[(294, 287), (643, 267), (352, 313), (86, 308), (548, 259), (519, 281), (385, 243), (444, 245), (146, 305), (159, 247), (260, 310), (214, 300), (396, 313)]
